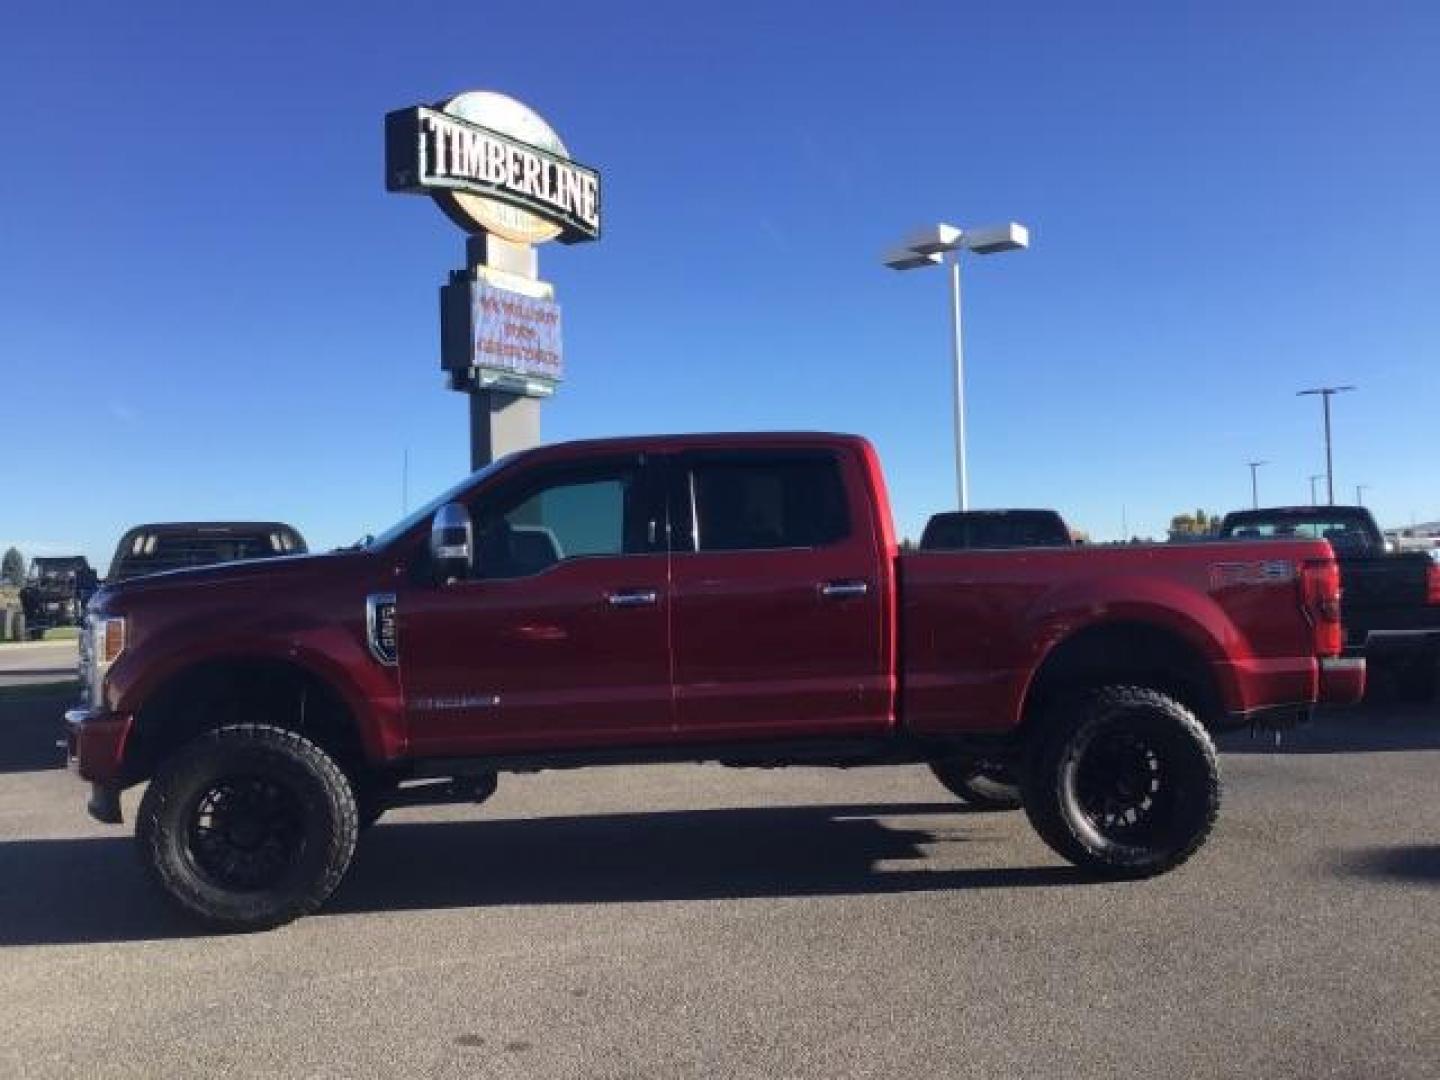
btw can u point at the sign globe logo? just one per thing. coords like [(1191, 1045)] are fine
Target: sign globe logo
[(493, 166), (509, 117)]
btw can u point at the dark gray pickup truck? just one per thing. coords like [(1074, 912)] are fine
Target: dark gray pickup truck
[(1391, 600)]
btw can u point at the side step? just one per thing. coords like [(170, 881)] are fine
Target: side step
[(842, 753), (443, 791)]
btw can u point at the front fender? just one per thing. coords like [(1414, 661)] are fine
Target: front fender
[(332, 653)]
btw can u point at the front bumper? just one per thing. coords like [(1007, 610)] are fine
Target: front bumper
[(1342, 680), (95, 750)]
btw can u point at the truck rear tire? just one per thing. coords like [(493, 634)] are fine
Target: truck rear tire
[(248, 827), (978, 783), (1123, 782)]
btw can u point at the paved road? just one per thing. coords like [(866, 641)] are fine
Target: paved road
[(694, 921), (33, 662)]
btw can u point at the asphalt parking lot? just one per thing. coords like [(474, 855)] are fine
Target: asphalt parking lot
[(696, 921)]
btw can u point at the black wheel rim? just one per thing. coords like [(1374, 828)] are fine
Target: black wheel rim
[(1125, 789), (246, 832)]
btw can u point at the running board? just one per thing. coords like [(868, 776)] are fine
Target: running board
[(836, 753)]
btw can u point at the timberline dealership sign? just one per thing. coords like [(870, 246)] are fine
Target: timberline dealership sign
[(493, 165)]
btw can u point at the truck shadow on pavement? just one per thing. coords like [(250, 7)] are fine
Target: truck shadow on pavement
[(1415, 863), (29, 727), (1362, 729), (92, 889)]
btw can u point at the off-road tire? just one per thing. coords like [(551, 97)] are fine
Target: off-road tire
[(319, 825), (1148, 731), (980, 785)]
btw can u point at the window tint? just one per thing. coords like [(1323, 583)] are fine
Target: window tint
[(750, 503), (564, 517)]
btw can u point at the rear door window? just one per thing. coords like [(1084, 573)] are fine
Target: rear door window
[(746, 501)]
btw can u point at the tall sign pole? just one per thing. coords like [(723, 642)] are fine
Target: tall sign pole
[(501, 173)]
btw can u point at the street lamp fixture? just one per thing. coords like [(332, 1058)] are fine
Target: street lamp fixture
[(928, 246), (1254, 486), (1326, 393)]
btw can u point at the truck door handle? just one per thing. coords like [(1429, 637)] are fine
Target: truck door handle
[(633, 598), (841, 590)]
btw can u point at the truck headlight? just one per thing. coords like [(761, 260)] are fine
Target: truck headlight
[(104, 641), (109, 639)]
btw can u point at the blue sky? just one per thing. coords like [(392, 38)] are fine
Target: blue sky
[(212, 308)]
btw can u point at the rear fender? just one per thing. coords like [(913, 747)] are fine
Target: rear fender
[(1184, 615)]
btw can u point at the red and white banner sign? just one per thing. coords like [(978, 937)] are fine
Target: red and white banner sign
[(516, 334)]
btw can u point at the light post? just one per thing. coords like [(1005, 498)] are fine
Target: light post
[(1326, 393), (1360, 490), (1317, 476), (1254, 485), (928, 247)]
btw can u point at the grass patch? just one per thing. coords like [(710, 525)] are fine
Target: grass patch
[(62, 633)]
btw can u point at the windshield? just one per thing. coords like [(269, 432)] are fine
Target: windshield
[(405, 524)]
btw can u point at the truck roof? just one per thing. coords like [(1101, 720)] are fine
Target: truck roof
[(1298, 511), (221, 527), (61, 562), (725, 439)]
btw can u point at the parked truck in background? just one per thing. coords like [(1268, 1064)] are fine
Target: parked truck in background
[(182, 545), (1392, 598), (712, 598), (968, 530), (983, 783)]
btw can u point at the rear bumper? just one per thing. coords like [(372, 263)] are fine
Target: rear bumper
[(1342, 680)]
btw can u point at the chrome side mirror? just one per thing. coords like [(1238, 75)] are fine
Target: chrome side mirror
[(452, 542)]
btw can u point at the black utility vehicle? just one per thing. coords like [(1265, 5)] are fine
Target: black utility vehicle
[(150, 549), (1391, 600), (55, 592)]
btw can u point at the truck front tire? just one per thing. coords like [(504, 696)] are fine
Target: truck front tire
[(980, 784), (1123, 782), (248, 827)]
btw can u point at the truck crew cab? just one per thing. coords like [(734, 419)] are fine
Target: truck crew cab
[(730, 598)]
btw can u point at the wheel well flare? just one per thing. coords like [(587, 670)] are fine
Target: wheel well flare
[(218, 693)]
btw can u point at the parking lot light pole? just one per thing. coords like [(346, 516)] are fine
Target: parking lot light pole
[(1360, 490), (1254, 484), (1326, 393), (1317, 476), (928, 247)]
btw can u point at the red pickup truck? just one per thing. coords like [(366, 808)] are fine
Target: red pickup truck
[(730, 598)]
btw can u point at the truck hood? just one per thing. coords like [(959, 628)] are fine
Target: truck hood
[(281, 572)]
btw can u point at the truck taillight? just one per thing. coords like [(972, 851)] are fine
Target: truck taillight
[(1432, 583), (1320, 589)]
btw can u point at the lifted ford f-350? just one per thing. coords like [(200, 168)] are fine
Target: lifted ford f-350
[(730, 598)]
